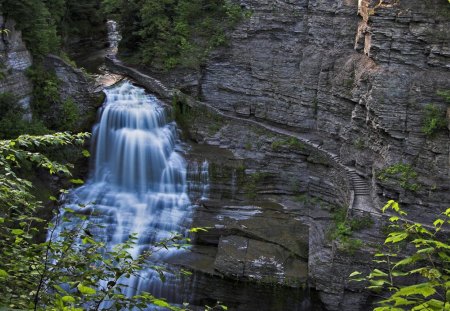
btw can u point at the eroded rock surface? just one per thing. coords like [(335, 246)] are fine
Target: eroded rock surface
[(15, 59), (75, 85)]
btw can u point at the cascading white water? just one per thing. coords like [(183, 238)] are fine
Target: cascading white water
[(199, 179), (139, 179)]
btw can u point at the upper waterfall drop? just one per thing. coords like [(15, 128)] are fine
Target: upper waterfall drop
[(135, 144)]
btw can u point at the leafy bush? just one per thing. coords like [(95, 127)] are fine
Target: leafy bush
[(343, 228), (420, 280), (291, 143), (445, 94), (47, 104), (70, 114), (402, 172), (434, 120), (12, 123)]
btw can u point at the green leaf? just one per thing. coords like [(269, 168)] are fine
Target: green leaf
[(447, 211), (377, 273), (438, 222), (399, 301), (396, 237), (377, 282), (3, 274), (59, 288), (17, 231), (86, 153), (2, 220), (354, 273), (160, 303), (427, 250), (77, 181), (423, 289), (398, 273), (197, 229), (85, 290), (68, 299), (388, 308), (407, 261)]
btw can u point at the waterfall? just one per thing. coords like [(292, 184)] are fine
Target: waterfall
[(138, 181), (198, 176), (114, 36)]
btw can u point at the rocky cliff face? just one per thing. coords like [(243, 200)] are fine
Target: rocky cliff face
[(355, 77), (360, 82), (14, 60), (74, 84)]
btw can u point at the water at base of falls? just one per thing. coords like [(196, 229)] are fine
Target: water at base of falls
[(138, 184)]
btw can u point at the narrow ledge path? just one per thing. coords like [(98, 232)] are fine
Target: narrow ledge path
[(360, 198)]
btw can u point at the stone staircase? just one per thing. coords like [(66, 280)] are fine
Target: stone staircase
[(361, 201)]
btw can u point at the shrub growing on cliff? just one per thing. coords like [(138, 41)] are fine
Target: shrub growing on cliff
[(420, 280), (434, 120), (404, 173), (343, 228), (47, 105), (12, 123)]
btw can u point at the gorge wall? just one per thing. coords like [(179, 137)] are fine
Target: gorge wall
[(15, 59), (356, 78), (73, 84), (356, 74)]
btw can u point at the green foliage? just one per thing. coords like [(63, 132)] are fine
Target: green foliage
[(343, 228), (12, 123), (70, 114), (81, 19), (45, 22), (277, 145), (36, 22), (445, 94), (171, 33), (70, 270), (434, 120), (251, 184), (404, 173), (47, 104), (419, 281), (292, 143)]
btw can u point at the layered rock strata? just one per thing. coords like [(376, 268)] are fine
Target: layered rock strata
[(15, 59)]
